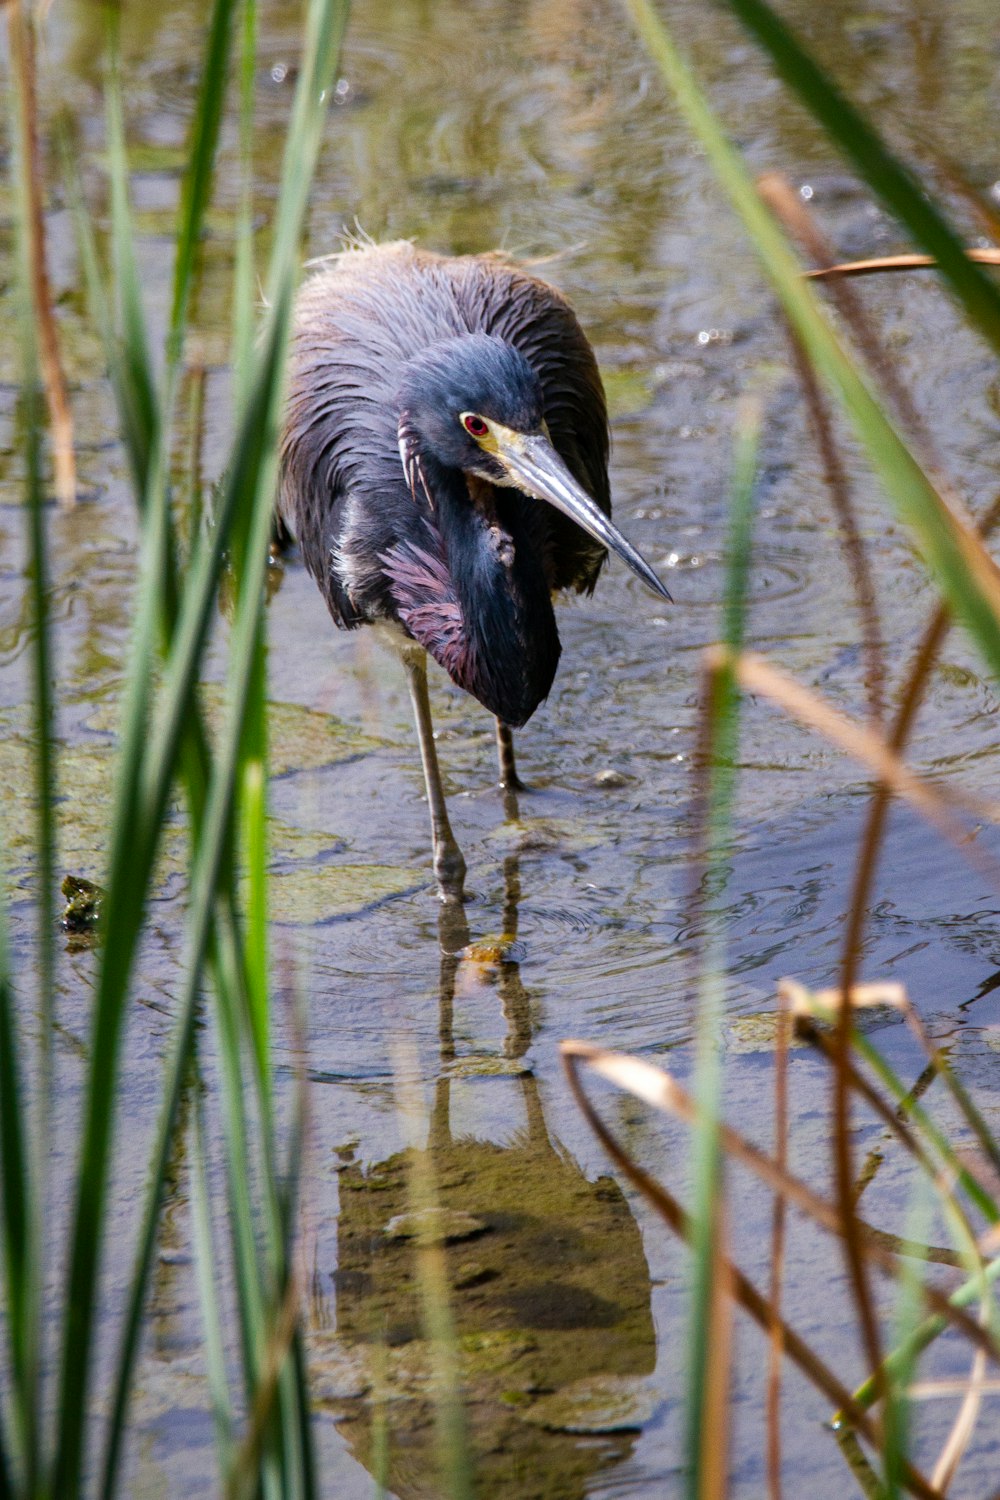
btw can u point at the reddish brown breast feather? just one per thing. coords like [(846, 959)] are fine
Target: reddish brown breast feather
[(428, 605)]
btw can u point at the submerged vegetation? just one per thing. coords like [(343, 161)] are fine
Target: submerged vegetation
[(453, 1350)]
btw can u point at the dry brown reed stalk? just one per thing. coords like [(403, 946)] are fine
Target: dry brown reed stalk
[(787, 205), (935, 1390), (894, 1119), (864, 745), (798, 222), (741, 1287), (876, 1156), (776, 1350), (21, 25), (963, 1426), (915, 682), (835, 477), (658, 1088), (908, 262), (982, 207), (943, 1070), (194, 467), (757, 676), (655, 1086)]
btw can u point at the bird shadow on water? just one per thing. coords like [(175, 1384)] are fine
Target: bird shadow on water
[(549, 1290)]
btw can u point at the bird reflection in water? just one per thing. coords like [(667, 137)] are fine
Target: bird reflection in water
[(548, 1283)]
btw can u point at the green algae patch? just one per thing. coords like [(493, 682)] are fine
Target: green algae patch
[(299, 739), (628, 392), (434, 1226), (307, 883), (312, 893), (606, 1404), (756, 1032), (83, 807), (547, 835), (492, 950), (488, 1065), (303, 739)]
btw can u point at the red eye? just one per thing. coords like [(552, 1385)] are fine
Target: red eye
[(475, 425)]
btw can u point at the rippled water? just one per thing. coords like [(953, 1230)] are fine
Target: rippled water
[(539, 126)]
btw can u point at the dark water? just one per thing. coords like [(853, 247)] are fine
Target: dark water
[(540, 127)]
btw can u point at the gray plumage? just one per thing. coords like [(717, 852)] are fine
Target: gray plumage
[(358, 322), (444, 466)]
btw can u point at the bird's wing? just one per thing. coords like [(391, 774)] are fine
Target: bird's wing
[(349, 343)]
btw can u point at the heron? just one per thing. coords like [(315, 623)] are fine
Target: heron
[(444, 469)]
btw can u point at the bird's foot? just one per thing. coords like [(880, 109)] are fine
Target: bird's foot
[(449, 872)]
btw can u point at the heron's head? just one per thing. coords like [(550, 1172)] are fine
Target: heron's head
[(474, 403)]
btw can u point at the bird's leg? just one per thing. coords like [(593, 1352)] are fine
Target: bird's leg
[(449, 865), (509, 779)]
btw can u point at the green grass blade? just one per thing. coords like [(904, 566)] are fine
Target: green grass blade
[(17, 1208), (926, 1332), (201, 171), (205, 1266), (178, 1066), (899, 190), (150, 762), (325, 25), (6, 1482), (722, 724), (129, 867), (181, 677), (142, 799), (253, 823), (964, 570), (909, 1306), (244, 289), (26, 1128)]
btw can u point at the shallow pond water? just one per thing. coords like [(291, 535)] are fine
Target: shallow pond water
[(539, 126)]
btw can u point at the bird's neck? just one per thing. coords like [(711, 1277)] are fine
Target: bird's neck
[(494, 630)]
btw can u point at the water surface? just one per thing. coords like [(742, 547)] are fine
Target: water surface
[(540, 127)]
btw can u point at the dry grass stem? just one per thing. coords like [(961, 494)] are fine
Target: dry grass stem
[(776, 1350), (946, 1390), (799, 221), (755, 675), (741, 1287), (21, 34), (656, 1087), (963, 1427), (799, 1001), (835, 477), (909, 262), (778, 193)]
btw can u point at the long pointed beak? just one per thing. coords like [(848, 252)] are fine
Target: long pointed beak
[(535, 467)]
